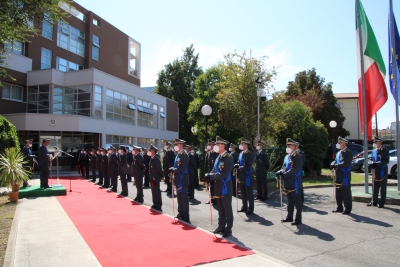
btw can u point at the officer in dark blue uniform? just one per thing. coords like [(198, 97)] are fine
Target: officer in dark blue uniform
[(342, 165), (44, 162), (262, 166), (191, 167), (245, 172), (196, 169), (98, 165), (379, 167), (129, 159), (146, 164), (168, 162), (123, 170), (181, 179), (291, 176), (235, 156), (113, 169), (93, 161), (221, 176), (28, 160), (209, 165), (156, 174), (104, 168), (137, 171)]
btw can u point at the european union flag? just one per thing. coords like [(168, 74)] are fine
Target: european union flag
[(392, 50)]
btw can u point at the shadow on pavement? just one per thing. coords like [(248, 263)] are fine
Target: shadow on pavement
[(392, 209), (363, 219), (310, 209), (256, 218), (307, 230), (194, 202)]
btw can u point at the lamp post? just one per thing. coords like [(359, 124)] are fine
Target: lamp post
[(333, 125), (258, 82), (206, 110)]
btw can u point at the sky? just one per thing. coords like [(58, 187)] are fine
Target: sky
[(294, 35)]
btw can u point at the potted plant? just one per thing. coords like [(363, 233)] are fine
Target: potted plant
[(12, 174)]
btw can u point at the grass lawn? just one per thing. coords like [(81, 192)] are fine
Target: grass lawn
[(7, 211), (326, 178)]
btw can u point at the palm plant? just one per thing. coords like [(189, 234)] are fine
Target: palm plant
[(11, 170)]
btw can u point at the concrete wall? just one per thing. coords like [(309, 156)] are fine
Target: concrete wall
[(18, 63), (350, 110)]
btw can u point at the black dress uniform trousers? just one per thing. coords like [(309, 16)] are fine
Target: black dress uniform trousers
[(124, 183), (156, 194), (247, 196), (343, 196), (262, 184), (294, 200), (380, 186), (183, 203), (93, 173), (225, 214)]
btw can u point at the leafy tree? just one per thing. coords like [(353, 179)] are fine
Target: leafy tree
[(295, 121), (19, 17), (237, 98), (311, 89), (8, 135), (177, 82)]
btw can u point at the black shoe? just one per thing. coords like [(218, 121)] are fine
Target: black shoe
[(381, 206), (45, 187), (218, 231), (346, 212), (165, 190), (242, 210), (257, 198), (110, 190), (191, 197), (123, 194), (337, 210), (287, 220), (105, 186), (226, 234), (296, 223), (179, 216), (372, 204), (208, 202), (99, 184), (146, 186), (249, 212), (140, 201)]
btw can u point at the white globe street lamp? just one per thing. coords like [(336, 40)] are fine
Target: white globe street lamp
[(206, 110)]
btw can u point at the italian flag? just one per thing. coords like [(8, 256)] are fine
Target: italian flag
[(374, 70)]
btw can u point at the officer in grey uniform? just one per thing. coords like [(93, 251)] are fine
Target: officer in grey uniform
[(245, 168), (137, 171), (379, 166), (156, 174), (221, 176), (342, 165), (235, 156), (181, 179), (291, 176), (262, 166)]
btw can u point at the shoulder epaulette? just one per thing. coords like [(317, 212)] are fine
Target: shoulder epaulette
[(181, 152), (224, 155)]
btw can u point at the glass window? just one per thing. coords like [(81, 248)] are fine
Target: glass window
[(148, 114), (38, 98), (70, 38), (96, 22), (72, 10), (65, 65), (47, 29), (45, 59), (14, 47), (95, 53), (117, 107), (13, 92), (133, 55), (73, 100)]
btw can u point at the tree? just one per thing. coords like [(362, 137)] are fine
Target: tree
[(177, 82), (295, 121), (19, 17), (237, 98), (8, 135), (311, 89)]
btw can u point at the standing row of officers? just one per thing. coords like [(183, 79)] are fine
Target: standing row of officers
[(225, 173)]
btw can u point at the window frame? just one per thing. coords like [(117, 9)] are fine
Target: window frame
[(11, 88), (41, 58)]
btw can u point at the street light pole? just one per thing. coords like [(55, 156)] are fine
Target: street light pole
[(333, 125), (206, 110), (258, 82)]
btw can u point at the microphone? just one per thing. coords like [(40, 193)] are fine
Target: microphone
[(56, 148)]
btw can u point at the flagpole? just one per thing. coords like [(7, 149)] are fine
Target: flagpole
[(376, 124), (396, 90), (364, 97)]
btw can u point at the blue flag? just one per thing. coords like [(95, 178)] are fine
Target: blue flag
[(392, 50)]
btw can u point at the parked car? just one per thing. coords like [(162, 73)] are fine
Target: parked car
[(358, 161), (392, 165)]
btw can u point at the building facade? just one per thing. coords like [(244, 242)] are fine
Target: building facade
[(78, 83), (348, 104)]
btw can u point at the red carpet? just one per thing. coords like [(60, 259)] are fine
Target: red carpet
[(121, 233)]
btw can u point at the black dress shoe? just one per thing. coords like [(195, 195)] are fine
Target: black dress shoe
[(219, 231), (296, 223), (208, 202), (93, 181), (265, 199), (287, 220), (47, 187), (346, 212), (140, 201), (371, 204), (99, 184), (337, 210), (381, 206), (179, 216), (257, 198), (249, 212), (226, 234), (191, 197), (242, 210)]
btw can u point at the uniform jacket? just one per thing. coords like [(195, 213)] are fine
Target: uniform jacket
[(262, 164), (93, 161), (248, 160), (383, 156), (122, 164), (197, 159), (26, 151), (345, 159), (146, 161), (192, 164), (137, 167), (168, 161), (98, 161), (44, 161), (129, 158), (209, 161), (86, 160), (296, 164), (155, 171), (113, 163), (225, 166), (104, 162), (183, 161)]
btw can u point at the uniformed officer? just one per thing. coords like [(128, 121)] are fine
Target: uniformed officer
[(209, 165), (168, 162), (98, 165), (235, 156), (44, 162), (146, 164), (342, 165), (191, 167), (220, 176), (181, 179), (301, 152), (291, 175), (86, 163), (28, 160), (129, 159), (81, 160), (104, 168), (137, 171), (196, 169), (262, 166), (123, 169), (379, 167), (245, 168), (113, 169), (156, 174), (93, 161)]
